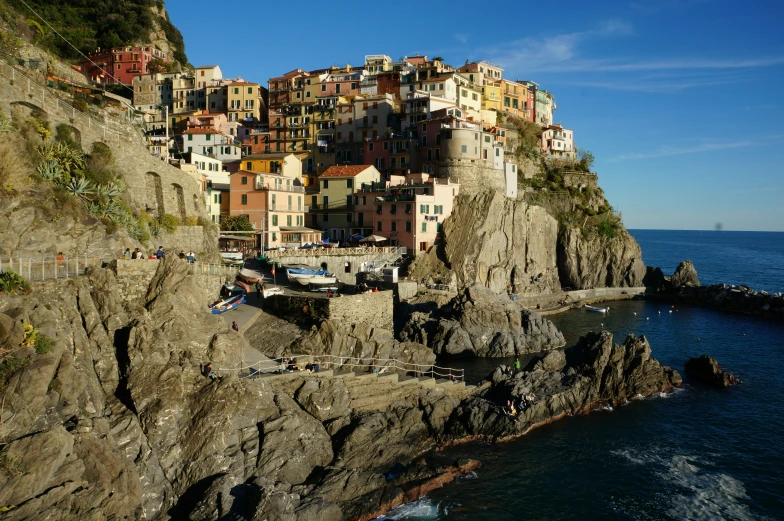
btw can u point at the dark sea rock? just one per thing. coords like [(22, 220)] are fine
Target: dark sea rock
[(479, 322), (685, 275), (706, 369)]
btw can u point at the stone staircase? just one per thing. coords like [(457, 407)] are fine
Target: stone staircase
[(370, 391)]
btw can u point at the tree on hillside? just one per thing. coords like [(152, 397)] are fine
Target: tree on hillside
[(236, 223), (586, 160)]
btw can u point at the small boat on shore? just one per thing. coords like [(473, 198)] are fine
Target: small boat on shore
[(250, 276), (596, 309), (274, 290), (301, 274), (316, 279), (227, 305)]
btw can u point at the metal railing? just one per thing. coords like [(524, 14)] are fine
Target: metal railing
[(46, 268), (378, 366), (368, 250), (35, 92), (50, 268)]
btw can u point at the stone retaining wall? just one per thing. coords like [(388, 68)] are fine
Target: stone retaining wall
[(372, 309), (345, 267), (133, 278), (473, 176)]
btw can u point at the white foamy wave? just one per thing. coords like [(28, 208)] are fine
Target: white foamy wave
[(420, 510), (709, 495), (470, 475), (606, 408), (703, 495), (675, 392)]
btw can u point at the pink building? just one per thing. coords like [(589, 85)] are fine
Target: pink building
[(409, 211)]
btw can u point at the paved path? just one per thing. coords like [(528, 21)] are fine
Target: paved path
[(245, 316)]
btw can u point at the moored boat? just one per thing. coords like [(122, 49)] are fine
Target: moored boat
[(227, 305), (597, 309), (316, 279)]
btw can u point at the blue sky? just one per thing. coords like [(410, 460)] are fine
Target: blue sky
[(680, 101)]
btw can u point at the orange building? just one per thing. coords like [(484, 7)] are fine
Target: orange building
[(275, 206)]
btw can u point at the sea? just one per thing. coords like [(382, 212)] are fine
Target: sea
[(697, 454)]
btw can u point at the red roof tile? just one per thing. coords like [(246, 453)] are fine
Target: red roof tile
[(345, 171)]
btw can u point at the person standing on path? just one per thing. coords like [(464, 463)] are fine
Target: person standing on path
[(159, 254), (258, 289), (127, 254), (517, 365), (235, 327)]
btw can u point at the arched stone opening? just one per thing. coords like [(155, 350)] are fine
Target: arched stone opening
[(180, 195), (153, 194)]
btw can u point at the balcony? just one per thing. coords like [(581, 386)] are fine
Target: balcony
[(332, 207), (413, 110), (279, 188), (289, 208)]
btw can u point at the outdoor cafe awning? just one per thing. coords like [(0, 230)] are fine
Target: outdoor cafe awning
[(374, 238)]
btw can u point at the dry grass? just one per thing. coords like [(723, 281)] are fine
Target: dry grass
[(15, 170)]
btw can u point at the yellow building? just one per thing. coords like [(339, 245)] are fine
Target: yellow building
[(286, 164), (332, 209), (244, 99), (515, 99), (491, 96)]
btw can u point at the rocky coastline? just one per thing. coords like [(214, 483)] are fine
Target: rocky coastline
[(118, 420)]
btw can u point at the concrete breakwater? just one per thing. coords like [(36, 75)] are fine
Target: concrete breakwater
[(735, 299)]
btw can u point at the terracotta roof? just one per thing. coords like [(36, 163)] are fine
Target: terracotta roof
[(250, 172), (242, 83), (345, 171)]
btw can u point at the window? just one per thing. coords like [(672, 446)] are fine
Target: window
[(438, 227), (244, 180), (424, 208), (190, 137), (394, 226), (424, 227), (370, 147), (423, 246), (349, 183), (323, 88), (209, 136), (487, 139), (274, 220), (348, 217), (325, 183), (288, 220), (236, 90), (408, 226), (244, 198), (386, 145), (463, 149), (274, 236), (497, 152), (379, 226)]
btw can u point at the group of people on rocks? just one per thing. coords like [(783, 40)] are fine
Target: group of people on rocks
[(137, 253), (290, 365), (513, 408)]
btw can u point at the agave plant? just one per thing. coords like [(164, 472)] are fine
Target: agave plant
[(51, 171), (110, 190), (81, 188), (5, 125), (69, 159)]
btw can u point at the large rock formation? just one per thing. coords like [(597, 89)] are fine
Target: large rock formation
[(684, 275), (500, 243), (595, 261), (478, 322), (115, 419), (594, 374)]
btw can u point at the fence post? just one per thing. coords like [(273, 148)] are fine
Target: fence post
[(43, 268)]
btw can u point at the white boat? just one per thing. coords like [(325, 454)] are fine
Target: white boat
[(596, 309), (274, 290), (316, 279), (232, 255)]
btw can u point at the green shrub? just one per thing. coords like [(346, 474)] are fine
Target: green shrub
[(9, 367), (607, 228), (80, 104), (190, 221), (65, 134), (169, 222), (43, 344), (12, 282)]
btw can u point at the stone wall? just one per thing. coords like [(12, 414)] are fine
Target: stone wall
[(345, 267), (372, 309), (581, 180), (473, 176), (133, 278), (153, 185)]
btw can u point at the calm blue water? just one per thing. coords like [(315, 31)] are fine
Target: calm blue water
[(699, 454)]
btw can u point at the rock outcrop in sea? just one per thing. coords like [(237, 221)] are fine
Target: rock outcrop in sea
[(706, 370), (479, 322), (594, 374)]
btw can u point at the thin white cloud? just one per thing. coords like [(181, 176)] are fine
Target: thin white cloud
[(462, 38), (666, 150)]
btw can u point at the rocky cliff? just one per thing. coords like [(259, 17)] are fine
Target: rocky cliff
[(511, 246), (597, 261), (500, 243), (106, 412)]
